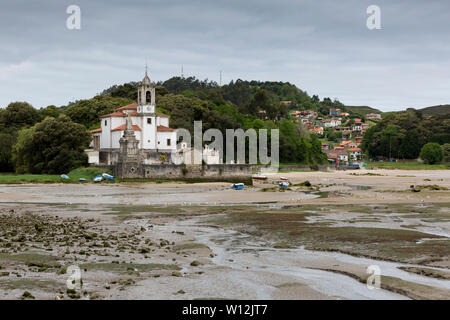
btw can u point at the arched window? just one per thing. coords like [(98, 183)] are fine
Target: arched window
[(148, 97)]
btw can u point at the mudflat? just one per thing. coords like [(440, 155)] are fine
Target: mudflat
[(313, 240)]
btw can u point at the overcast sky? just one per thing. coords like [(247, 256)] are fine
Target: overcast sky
[(323, 47)]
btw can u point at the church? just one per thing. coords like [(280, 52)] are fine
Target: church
[(156, 141)]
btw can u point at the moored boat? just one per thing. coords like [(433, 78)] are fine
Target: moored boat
[(237, 186)]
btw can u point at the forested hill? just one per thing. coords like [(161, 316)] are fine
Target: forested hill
[(237, 92), (362, 110), (436, 110)]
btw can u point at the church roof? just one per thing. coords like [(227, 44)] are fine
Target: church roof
[(123, 127), (132, 106), (114, 114), (164, 129), (96, 130), (162, 115)]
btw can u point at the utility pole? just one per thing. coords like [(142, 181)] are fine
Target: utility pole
[(220, 81)]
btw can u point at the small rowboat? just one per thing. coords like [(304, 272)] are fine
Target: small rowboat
[(284, 178), (283, 184), (237, 186), (259, 177), (108, 176), (82, 180), (65, 176), (98, 179)]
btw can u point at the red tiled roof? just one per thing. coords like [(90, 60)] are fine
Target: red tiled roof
[(96, 130), (164, 129), (132, 106), (343, 143), (114, 114), (162, 115), (354, 149), (122, 127)]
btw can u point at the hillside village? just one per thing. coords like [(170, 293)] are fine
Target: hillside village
[(345, 129)]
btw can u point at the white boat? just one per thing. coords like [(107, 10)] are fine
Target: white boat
[(283, 184), (108, 176), (65, 176), (98, 179), (284, 178)]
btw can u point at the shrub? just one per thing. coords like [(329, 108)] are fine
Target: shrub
[(432, 153)]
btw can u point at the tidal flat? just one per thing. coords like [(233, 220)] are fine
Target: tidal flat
[(206, 241)]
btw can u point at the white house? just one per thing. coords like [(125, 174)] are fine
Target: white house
[(331, 123), (354, 153)]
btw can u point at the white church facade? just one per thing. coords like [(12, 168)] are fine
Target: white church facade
[(157, 142)]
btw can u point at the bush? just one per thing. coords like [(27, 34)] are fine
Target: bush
[(51, 146), (446, 148), (432, 153)]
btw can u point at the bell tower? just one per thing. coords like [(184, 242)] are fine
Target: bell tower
[(146, 96)]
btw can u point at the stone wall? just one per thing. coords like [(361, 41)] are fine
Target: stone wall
[(212, 172)]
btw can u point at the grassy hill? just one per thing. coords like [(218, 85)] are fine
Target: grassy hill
[(362, 110), (436, 110)]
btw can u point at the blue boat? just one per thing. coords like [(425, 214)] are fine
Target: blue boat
[(82, 180), (65, 176), (237, 186), (98, 179), (284, 184), (108, 176)]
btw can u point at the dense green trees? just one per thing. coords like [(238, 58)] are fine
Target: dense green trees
[(402, 135), (18, 115), (446, 150), (51, 146), (432, 153), (87, 112), (6, 146)]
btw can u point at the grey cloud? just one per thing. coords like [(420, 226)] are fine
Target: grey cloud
[(322, 46)]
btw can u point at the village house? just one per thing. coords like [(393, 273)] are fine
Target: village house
[(317, 130), (335, 112), (354, 154), (331, 123), (373, 116), (337, 155), (348, 144), (357, 126)]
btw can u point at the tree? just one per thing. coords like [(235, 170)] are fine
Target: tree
[(432, 153), (87, 112), (19, 115), (50, 111), (6, 144), (446, 149), (51, 146), (410, 146)]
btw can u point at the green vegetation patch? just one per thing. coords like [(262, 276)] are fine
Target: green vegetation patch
[(30, 284), (127, 267)]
